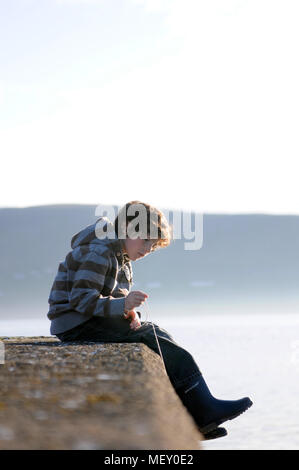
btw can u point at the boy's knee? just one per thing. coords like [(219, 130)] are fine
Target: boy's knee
[(161, 333)]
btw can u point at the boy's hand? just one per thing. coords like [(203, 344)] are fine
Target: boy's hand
[(134, 319), (134, 299)]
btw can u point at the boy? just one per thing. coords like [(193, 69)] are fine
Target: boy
[(90, 301)]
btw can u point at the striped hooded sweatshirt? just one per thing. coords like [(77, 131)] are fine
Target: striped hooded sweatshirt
[(90, 280)]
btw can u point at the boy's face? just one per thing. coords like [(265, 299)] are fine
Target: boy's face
[(138, 248)]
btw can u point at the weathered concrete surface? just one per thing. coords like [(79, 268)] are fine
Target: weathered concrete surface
[(89, 396)]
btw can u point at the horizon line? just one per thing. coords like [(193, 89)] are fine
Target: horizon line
[(253, 212)]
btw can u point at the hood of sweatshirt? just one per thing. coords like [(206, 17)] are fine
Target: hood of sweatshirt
[(93, 234)]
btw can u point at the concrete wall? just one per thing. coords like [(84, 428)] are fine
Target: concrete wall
[(89, 396)]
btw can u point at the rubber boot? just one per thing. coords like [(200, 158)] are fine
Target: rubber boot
[(207, 411), (215, 434)]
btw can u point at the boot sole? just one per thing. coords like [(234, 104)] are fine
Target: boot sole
[(211, 426), (215, 434)]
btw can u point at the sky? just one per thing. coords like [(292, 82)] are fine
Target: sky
[(184, 104)]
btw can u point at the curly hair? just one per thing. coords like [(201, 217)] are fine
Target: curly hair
[(156, 222)]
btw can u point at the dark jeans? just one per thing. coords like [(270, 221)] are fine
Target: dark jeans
[(180, 365)]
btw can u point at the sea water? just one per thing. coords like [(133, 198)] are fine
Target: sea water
[(239, 355)]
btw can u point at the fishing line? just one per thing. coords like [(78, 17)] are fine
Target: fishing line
[(158, 344)]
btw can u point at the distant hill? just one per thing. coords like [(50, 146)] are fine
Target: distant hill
[(244, 260)]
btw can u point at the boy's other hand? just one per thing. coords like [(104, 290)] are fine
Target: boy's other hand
[(134, 299), (134, 319)]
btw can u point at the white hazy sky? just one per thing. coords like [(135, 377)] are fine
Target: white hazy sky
[(190, 104)]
